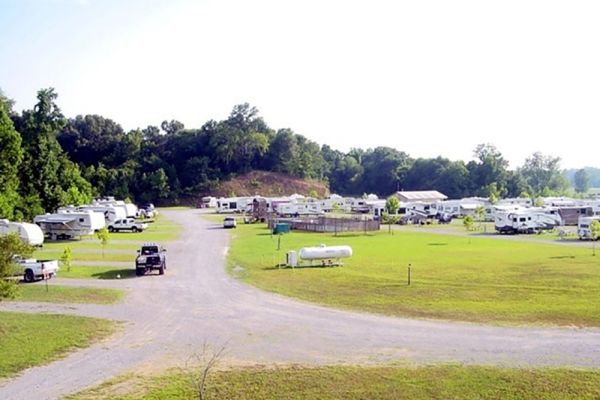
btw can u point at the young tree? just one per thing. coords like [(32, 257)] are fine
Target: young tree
[(66, 258), (582, 183), (480, 215), (10, 246), (392, 205), (468, 223), (595, 228), (104, 236)]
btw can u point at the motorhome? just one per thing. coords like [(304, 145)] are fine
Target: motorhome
[(70, 225), (584, 227), (29, 233), (527, 220)]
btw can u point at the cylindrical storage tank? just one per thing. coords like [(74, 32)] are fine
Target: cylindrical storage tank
[(324, 252)]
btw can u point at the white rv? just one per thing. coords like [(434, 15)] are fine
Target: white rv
[(300, 208), (233, 204), (208, 202), (527, 220), (29, 233), (584, 227), (129, 210), (69, 225)]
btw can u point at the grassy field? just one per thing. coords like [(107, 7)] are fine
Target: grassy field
[(453, 277), (27, 340), (67, 294), (121, 247), (440, 382), (99, 272)]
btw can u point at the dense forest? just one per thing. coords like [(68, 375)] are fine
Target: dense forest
[(48, 160)]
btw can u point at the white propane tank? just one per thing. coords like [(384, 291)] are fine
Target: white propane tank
[(323, 252)]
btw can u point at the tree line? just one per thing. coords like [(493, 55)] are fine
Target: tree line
[(48, 160)]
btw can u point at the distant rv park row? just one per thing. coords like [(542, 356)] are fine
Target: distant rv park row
[(510, 215), (72, 222)]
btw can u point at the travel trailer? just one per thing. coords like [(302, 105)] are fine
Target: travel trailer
[(29, 233), (130, 210), (233, 204), (300, 208), (584, 225), (571, 215), (527, 220), (208, 202), (69, 225)]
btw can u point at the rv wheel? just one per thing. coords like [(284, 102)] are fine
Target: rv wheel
[(134, 229)]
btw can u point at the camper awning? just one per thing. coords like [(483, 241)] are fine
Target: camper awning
[(56, 219)]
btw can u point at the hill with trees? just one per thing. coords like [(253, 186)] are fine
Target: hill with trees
[(49, 160)]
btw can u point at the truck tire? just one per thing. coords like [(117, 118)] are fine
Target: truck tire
[(161, 269), (111, 229), (134, 229), (29, 276)]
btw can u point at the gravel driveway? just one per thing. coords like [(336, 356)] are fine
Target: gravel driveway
[(167, 318)]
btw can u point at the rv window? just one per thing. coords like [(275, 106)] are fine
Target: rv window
[(232, 205), (528, 218), (584, 226), (514, 220), (81, 219), (522, 219)]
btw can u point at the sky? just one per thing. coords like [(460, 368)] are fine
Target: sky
[(426, 77)]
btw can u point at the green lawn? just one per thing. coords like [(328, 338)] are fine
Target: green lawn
[(459, 278), (27, 340), (67, 294), (439, 382), (82, 272)]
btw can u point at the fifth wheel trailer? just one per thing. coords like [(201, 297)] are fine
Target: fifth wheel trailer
[(527, 220), (69, 225)]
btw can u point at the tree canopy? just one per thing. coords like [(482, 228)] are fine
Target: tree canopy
[(48, 160)]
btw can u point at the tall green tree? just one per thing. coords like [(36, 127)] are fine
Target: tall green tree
[(543, 175), (489, 167), (11, 156), (49, 179), (582, 183)]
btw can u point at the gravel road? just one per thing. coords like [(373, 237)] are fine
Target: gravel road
[(168, 318)]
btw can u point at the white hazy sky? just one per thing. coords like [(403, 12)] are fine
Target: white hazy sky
[(427, 77)]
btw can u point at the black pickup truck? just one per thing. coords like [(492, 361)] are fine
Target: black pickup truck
[(151, 256)]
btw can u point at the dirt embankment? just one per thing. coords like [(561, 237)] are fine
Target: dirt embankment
[(269, 184)]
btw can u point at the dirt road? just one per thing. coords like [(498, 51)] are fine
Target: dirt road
[(169, 317)]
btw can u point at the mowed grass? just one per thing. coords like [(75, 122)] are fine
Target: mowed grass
[(483, 280), (121, 247), (439, 382), (27, 340), (100, 272), (67, 294)]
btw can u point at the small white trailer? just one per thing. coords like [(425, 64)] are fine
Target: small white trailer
[(29, 233), (527, 220), (70, 225), (584, 227)]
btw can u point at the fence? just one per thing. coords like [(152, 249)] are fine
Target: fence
[(328, 224)]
